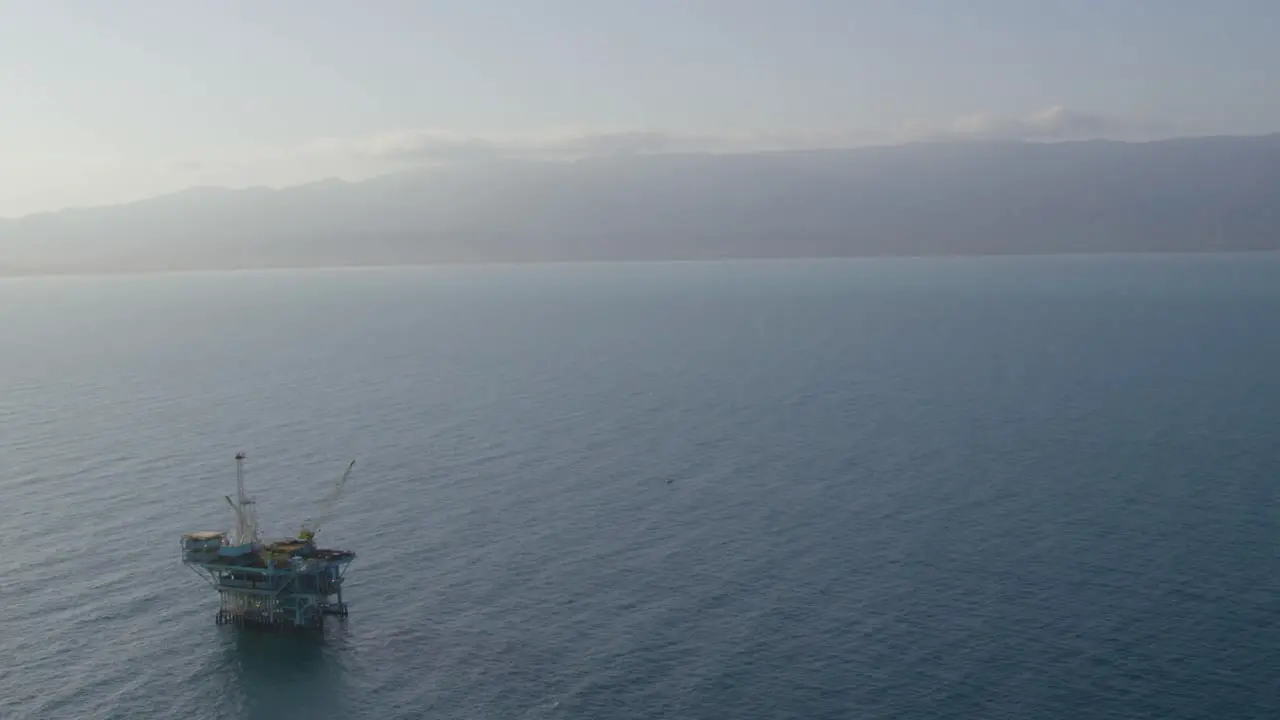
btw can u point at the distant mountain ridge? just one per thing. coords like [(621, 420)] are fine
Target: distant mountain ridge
[(1180, 195)]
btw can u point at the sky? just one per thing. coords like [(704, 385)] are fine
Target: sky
[(107, 102)]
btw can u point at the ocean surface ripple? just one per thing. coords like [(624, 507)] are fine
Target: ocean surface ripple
[(961, 488)]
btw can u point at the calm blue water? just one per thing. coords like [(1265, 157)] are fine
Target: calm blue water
[(997, 488)]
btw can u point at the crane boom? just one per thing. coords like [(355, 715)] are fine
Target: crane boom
[(327, 505)]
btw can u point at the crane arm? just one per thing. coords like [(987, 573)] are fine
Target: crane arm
[(327, 505)]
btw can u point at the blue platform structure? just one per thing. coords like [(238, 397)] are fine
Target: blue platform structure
[(284, 583)]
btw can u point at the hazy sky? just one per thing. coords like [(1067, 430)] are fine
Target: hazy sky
[(109, 101)]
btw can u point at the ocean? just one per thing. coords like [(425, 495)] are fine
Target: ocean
[(884, 488)]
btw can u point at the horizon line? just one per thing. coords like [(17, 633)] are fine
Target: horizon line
[(18, 274)]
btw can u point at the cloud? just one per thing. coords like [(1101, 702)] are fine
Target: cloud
[(356, 158), (440, 146), (434, 145), (629, 142), (422, 145), (48, 183), (1053, 123), (444, 146)]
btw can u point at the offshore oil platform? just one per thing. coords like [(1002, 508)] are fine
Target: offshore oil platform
[(283, 583)]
